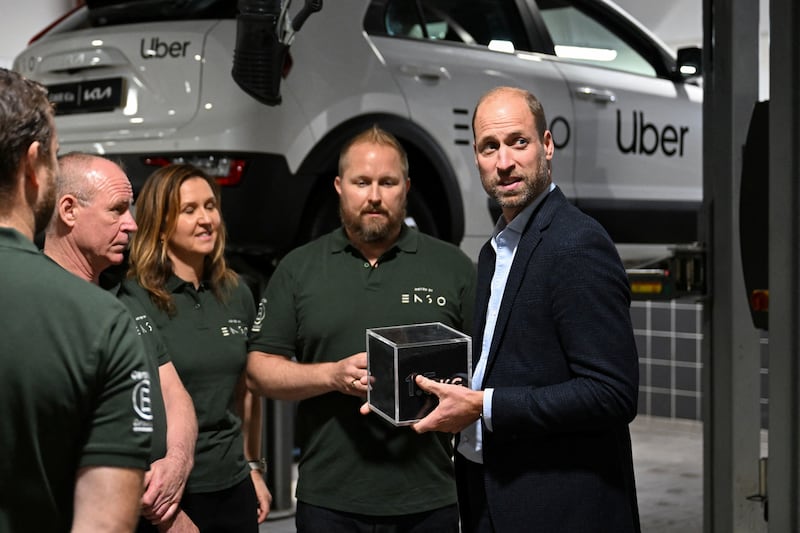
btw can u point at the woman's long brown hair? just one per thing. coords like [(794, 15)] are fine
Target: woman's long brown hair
[(157, 208)]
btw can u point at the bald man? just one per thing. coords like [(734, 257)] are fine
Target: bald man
[(89, 232)]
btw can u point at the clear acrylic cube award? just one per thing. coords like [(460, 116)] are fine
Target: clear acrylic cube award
[(397, 354)]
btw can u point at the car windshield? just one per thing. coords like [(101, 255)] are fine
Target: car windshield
[(112, 12)]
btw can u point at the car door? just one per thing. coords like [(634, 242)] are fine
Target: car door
[(444, 54), (638, 127)]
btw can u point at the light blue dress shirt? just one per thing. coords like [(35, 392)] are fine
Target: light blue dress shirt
[(505, 239)]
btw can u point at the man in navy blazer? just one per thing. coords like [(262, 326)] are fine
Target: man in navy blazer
[(544, 443)]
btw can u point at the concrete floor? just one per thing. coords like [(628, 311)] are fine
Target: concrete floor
[(668, 459)]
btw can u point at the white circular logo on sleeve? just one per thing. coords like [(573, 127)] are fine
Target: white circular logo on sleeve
[(141, 400)]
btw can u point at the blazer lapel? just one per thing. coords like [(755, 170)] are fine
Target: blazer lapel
[(486, 261), (531, 237)]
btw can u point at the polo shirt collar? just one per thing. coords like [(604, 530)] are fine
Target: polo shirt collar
[(407, 241), (174, 284), (11, 238)]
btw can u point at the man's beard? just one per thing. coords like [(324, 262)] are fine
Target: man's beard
[(43, 210), (372, 230), (532, 187)]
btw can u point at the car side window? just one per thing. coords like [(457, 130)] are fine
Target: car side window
[(477, 22), (579, 37)]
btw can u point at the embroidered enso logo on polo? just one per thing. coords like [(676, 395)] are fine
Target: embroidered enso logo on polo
[(234, 327), (422, 295), (143, 325)]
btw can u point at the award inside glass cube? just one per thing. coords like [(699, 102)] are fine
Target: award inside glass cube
[(397, 354)]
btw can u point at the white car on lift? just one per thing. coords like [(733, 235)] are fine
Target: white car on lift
[(149, 82)]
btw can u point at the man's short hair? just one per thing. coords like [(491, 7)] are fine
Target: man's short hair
[(534, 105), (73, 168), (26, 116), (379, 136)]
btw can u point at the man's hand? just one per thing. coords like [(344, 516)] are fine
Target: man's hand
[(350, 375), (263, 495), (458, 407), (164, 484)]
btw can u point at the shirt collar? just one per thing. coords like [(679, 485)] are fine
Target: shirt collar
[(174, 284), (407, 241), (11, 238), (518, 223)]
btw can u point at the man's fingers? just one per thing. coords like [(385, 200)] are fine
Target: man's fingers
[(358, 361), (149, 496), (428, 385), (424, 425)]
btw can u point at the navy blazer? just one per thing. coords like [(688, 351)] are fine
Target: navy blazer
[(564, 368)]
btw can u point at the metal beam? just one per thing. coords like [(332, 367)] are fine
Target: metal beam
[(784, 268), (731, 442)]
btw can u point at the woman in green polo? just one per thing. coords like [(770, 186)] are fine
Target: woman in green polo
[(204, 313)]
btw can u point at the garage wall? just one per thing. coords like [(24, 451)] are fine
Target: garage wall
[(18, 25), (669, 338)]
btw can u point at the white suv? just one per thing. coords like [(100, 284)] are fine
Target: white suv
[(149, 82)]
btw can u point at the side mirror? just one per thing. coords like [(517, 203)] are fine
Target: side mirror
[(689, 63)]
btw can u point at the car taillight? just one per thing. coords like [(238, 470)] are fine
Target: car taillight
[(225, 170)]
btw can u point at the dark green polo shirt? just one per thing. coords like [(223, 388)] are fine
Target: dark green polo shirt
[(207, 342), (317, 307), (74, 387)]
